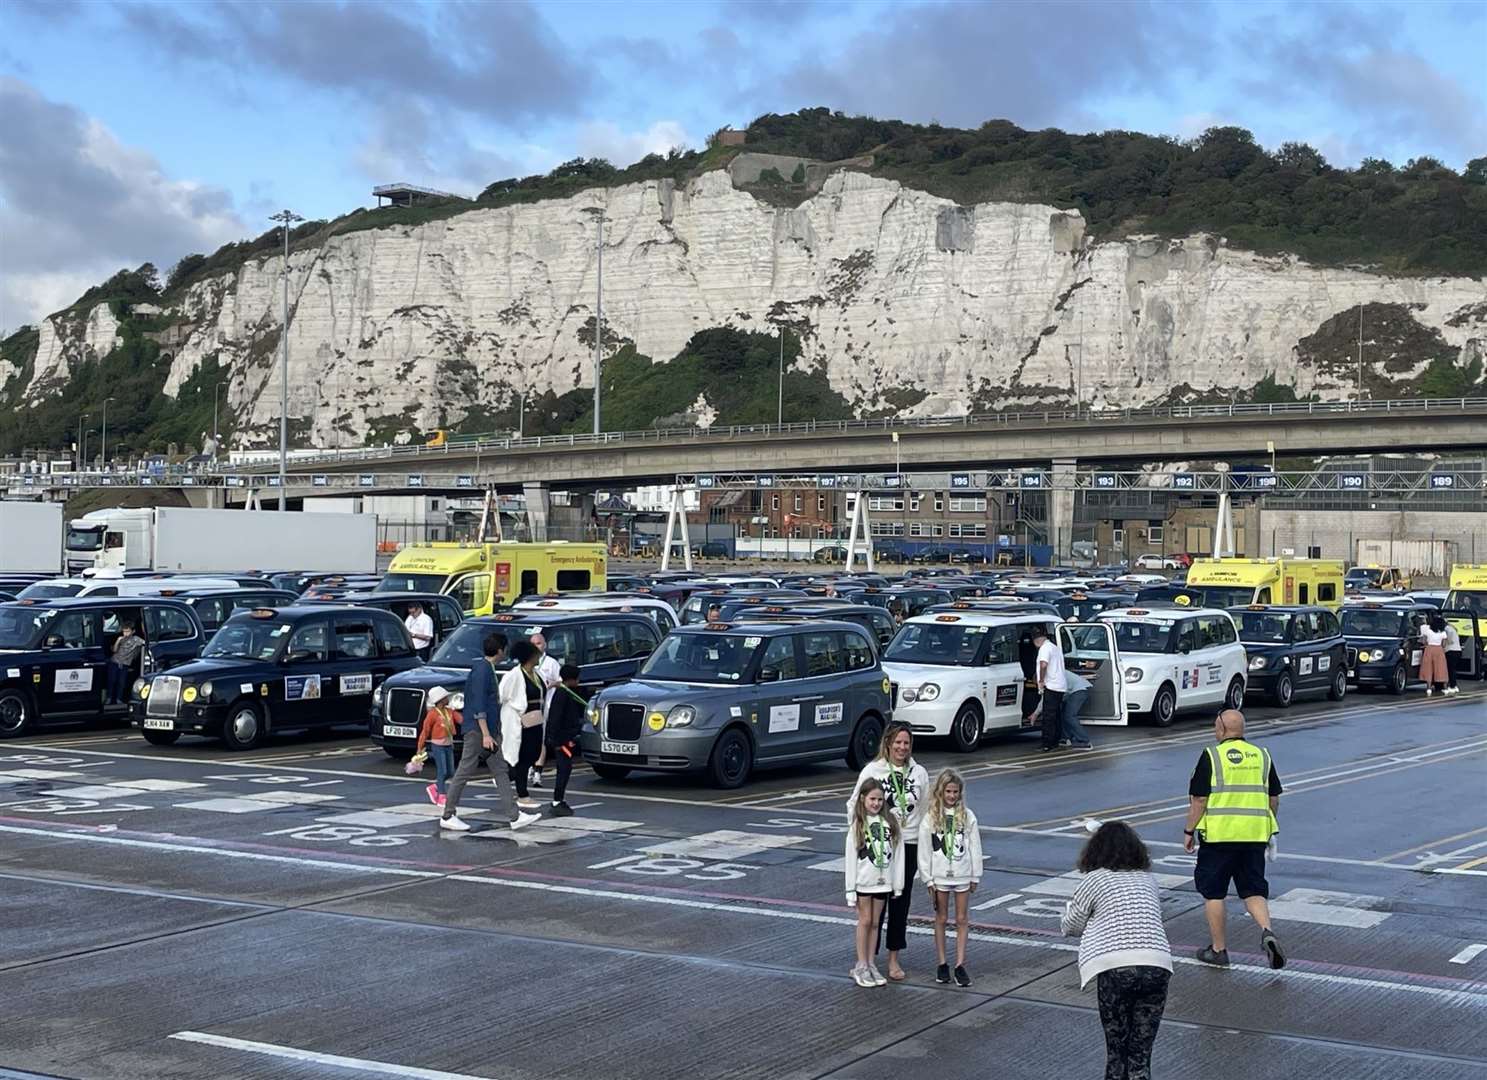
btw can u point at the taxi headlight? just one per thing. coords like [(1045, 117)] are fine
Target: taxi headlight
[(206, 689), (1364, 656), (593, 715), (141, 688), (188, 695), (1258, 662), (457, 702), (1133, 674), (377, 698), (929, 691), (681, 716)]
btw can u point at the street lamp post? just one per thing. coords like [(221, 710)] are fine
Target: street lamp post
[(216, 404), (85, 443), (81, 456), (284, 218), (597, 213), (103, 446), (780, 413)]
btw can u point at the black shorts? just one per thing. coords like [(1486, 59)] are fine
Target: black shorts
[(1241, 863)]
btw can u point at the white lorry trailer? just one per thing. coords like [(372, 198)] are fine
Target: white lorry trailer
[(31, 537), (181, 540)]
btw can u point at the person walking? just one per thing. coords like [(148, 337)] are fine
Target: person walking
[(874, 861), (950, 838), (489, 742), (548, 669), (1052, 682), (905, 784), (420, 629), (1233, 799), (437, 733), (121, 662), (1452, 648), (564, 724), (1070, 729), (1433, 671), (1117, 914), (521, 695)]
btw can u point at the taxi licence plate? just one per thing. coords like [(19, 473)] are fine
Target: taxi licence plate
[(160, 725), (399, 731), (629, 749)]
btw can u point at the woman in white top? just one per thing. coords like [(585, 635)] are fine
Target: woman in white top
[(905, 785), (950, 838), (1117, 914), (1433, 671), (874, 861)]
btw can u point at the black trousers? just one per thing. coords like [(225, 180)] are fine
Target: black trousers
[(1053, 710), (1132, 1000), (526, 757), (563, 763), (1453, 661), (896, 911)]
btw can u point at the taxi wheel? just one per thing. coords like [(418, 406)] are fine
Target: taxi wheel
[(1339, 689), (1399, 680), (1285, 690), (865, 740), (243, 728), (162, 738), (732, 759), (966, 731), (15, 714), (1164, 706), (1234, 699)]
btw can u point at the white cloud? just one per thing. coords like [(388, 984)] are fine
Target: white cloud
[(606, 139)]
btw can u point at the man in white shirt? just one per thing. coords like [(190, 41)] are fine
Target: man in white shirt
[(1051, 686), (420, 628)]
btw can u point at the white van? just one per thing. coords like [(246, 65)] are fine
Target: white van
[(99, 585)]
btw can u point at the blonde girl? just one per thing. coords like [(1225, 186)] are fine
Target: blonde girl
[(874, 860), (905, 786), (950, 847)]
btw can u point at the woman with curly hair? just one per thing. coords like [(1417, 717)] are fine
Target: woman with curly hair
[(1122, 945)]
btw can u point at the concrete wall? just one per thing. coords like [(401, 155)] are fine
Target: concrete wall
[(1336, 532)]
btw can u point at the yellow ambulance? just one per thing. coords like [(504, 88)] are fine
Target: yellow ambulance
[(1469, 594), (484, 577), (1231, 582)]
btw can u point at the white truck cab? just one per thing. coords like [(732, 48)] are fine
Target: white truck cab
[(1178, 658), (963, 673)]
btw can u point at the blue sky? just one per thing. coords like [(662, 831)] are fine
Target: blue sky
[(144, 131)]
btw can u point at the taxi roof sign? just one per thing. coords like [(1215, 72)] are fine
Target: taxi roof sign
[(262, 613), (715, 626), (947, 618), (1257, 607)]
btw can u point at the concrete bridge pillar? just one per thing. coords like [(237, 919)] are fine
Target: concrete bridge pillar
[(1061, 510), (537, 508)]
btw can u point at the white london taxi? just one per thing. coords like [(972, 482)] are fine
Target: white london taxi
[(965, 672), (1178, 658)]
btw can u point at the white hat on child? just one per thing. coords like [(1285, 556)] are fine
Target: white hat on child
[(437, 694)]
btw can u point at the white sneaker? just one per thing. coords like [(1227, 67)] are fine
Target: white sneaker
[(1429, 692), (534, 778), (1453, 689), (877, 976), (453, 824), (523, 820), (862, 977)]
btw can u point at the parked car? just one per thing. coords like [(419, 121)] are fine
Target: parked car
[(1292, 649), (1178, 658)]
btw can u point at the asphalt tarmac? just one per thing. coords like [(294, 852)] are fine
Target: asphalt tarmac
[(295, 912)]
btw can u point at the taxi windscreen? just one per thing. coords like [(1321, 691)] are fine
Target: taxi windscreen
[(936, 643), (703, 658), (1262, 626), (245, 637), (424, 583), (1147, 636), (1374, 622), (22, 627)]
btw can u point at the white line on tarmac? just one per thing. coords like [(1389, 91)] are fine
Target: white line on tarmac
[(1468, 954), (733, 908), (314, 1057)]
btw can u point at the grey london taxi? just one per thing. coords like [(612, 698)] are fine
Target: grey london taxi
[(725, 697)]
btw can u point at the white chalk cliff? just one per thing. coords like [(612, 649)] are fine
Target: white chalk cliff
[(977, 307)]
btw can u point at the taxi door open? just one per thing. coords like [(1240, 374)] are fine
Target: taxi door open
[(1089, 651), (1466, 624)]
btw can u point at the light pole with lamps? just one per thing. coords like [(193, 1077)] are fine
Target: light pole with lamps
[(103, 448), (285, 218), (85, 443), (780, 413), (597, 213), (81, 457), (216, 405)]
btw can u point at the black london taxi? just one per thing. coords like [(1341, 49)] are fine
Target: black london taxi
[(268, 671), (725, 697), (912, 599), (443, 611), (1383, 643), (215, 606), (54, 655), (880, 625), (1292, 649), (607, 646)]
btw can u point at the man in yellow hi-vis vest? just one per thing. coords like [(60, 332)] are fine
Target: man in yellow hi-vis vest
[(1233, 797)]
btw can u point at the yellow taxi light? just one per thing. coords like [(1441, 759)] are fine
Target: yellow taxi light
[(188, 695), (655, 721), (947, 618), (262, 613)]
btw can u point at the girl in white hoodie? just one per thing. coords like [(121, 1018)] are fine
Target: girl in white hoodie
[(905, 787), (950, 839), (874, 860)]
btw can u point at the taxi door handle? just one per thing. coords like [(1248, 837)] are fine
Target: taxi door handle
[(818, 697)]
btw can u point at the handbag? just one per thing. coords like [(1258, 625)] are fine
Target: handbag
[(533, 717)]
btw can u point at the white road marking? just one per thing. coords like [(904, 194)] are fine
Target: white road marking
[(994, 901), (314, 1057), (93, 791), (229, 806), (1067, 884), (377, 819), (1455, 870), (1468, 954), (1325, 908), (1467, 997), (724, 845), (299, 798), (155, 785), (17, 775)]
